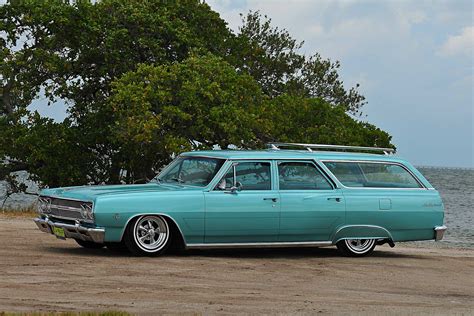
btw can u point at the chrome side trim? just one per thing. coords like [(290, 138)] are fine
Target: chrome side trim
[(261, 244), (439, 232), (72, 231), (360, 226)]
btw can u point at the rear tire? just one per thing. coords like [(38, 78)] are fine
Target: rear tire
[(356, 247), (147, 235), (89, 244)]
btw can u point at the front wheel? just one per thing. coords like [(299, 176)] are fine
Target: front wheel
[(148, 235), (89, 244), (356, 247)]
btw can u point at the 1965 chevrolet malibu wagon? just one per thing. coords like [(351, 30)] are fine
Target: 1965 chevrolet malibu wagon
[(268, 198)]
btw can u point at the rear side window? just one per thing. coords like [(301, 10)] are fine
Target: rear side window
[(301, 176), (372, 175)]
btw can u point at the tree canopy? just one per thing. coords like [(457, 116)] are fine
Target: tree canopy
[(146, 80)]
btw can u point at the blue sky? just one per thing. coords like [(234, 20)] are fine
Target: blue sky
[(413, 59)]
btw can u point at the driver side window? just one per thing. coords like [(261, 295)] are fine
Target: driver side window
[(249, 176)]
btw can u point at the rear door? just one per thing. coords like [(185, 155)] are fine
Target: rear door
[(311, 206)]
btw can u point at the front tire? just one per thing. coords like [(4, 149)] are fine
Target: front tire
[(147, 235), (89, 244), (356, 247)]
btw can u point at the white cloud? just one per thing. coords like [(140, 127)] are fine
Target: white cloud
[(461, 44)]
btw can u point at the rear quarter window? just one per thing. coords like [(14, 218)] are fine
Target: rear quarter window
[(372, 174)]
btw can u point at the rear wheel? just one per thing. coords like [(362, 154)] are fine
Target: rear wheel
[(89, 244), (147, 235), (356, 247)]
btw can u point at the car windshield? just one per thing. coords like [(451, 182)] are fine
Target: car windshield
[(196, 171)]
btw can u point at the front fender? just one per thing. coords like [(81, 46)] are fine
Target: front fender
[(186, 210)]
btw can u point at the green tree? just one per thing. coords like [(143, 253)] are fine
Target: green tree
[(272, 56), (161, 110), (313, 120), (74, 51), (144, 80)]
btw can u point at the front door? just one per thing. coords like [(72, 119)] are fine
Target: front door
[(311, 208), (244, 207)]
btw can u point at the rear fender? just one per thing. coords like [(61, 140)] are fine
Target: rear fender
[(361, 232)]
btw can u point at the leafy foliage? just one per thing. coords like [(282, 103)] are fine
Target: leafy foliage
[(146, 80), (201, 102), (272, 57)]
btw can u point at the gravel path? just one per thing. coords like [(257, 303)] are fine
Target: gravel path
[(42, 273)]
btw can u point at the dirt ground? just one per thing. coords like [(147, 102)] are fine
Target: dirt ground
[(41, 273)]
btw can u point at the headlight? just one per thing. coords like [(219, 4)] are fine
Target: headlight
[(44, 205), (86, 211)]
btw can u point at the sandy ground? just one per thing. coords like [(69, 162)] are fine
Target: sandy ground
[(42, 273)]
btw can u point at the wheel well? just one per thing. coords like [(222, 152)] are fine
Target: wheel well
[(177, 241)]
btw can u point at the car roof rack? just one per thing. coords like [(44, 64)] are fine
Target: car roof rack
[(310, 147)]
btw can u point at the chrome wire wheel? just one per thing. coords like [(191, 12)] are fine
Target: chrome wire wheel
[(151, 233), (359, 246)]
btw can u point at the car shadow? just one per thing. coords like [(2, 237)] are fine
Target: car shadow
[(289, 253), (249, 253)]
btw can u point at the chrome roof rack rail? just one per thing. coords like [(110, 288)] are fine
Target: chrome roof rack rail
[(310, 147)]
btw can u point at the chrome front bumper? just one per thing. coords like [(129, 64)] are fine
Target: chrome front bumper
[(72, 231), (439, 232)]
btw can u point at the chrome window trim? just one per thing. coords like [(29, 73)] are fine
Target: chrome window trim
[(199, 156), (315, 164), (423, 187)]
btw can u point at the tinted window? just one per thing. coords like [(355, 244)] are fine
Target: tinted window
[(250, 176), (301, 176), (198, 171), (372, 175)]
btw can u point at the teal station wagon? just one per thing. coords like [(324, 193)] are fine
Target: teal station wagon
[(319, 195)]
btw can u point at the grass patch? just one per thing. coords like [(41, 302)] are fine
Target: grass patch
[(15, 212), (106, 313)]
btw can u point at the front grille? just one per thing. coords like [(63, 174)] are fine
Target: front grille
[(67, 209)]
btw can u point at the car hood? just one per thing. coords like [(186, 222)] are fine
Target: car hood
[(91, 192)]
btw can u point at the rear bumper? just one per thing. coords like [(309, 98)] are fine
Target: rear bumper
[(72, 231), (439, 232)]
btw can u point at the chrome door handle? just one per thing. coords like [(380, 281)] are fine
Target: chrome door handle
[(270, 199), (337, 199)]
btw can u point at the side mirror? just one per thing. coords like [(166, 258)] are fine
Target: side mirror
[(233, 190), (236, 188)]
